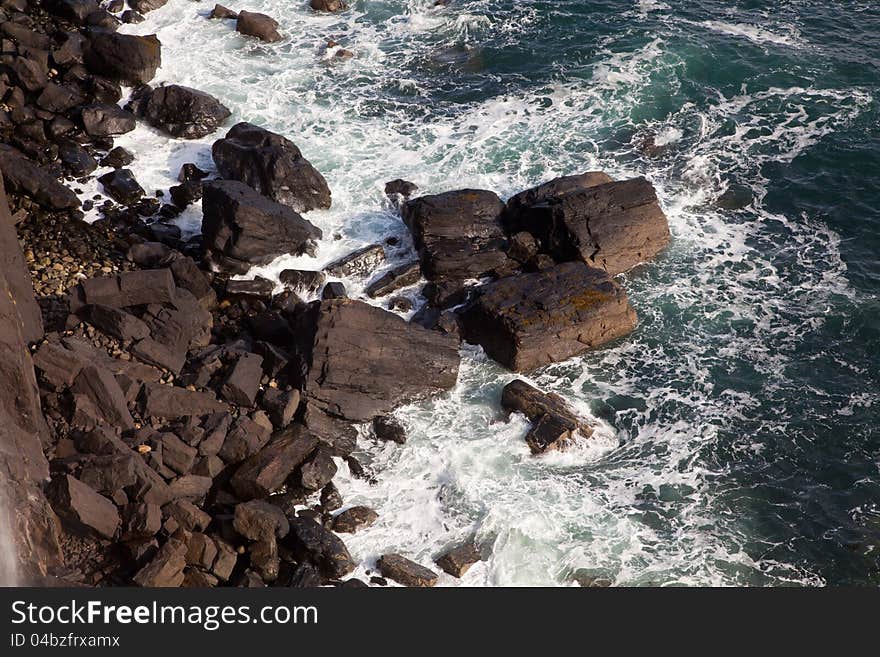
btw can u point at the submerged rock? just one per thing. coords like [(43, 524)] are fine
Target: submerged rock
[(531, 320), (554, 424), (272, 165)]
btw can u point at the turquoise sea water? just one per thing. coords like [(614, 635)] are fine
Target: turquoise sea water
[(738, 439)]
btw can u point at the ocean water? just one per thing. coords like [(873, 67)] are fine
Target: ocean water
[(737, 439)]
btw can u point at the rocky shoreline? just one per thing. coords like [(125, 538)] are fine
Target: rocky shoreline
[(167, 424)]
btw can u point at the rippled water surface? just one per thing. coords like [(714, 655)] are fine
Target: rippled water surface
[(738, 439)]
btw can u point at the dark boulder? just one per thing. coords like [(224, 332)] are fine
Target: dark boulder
[(117, 158), (115, 322), (272, 165), (241, 228), (76, 159), (122, 187), (531, 320), (101, 120), (399, 190), (334, 290), (547, 191), (124, 57), (406, 572), (59, 98), (363, 361), (614, 226), (219, 11), (185, 193), (100, 387), (23, 176), (388, 429), (458, 234), (311, 542), (245, 438), (301, 279), (82, 509), (251, 23), (458, 560), (265, 472), (166, 568), (243, 382), (280, 405), (169, 402), (318, 470), (354, 519), (182, 111), (362, 262)]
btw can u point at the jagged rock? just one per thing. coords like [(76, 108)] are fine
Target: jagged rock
[(219, 11), (246, 437), (177, 455), (58, 98), (362, 262), (554, 423), (190, 487), (458, 234), (318, 470), (157, 400), (117, 158), (108, 473), (312, 542), (124, 57), (76, 159), (354, 519), (100, 120), (406, 572), (115, 322), (201, 551), (225, 561), (82, 509), (144, 6), (166, 568), (188, 515), (403, 275), (183, 112), (334, 290), (363, 361), (309, 281), (257, 288), (338, 436), (399, 190), (141, 520), (241, 228), (331, 499), (243, 383), (122, 187), (265, 28), (523, 247), (103, 391), (531, 320), (458, 560), (272, 165), (613, 226), (266, 471), (185, 193), (388, 429), (30, 73), (24, 177), (259, 520), (280, 405), (188, 276)]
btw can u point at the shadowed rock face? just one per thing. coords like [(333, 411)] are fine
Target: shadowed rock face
[(124, 57), (272, 165), (531, 320), (458, 234), (23, 467), (242, 228), (362, 361), (613, 226)]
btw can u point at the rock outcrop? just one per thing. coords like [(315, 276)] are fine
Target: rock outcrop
[(531, 320), (181, 111), (272, 165), (362, 361)]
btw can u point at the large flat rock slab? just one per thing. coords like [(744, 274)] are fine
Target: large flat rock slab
[(363, 361), (531, 320)]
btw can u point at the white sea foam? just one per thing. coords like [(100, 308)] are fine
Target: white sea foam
[(754, 33), (466, 473)]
